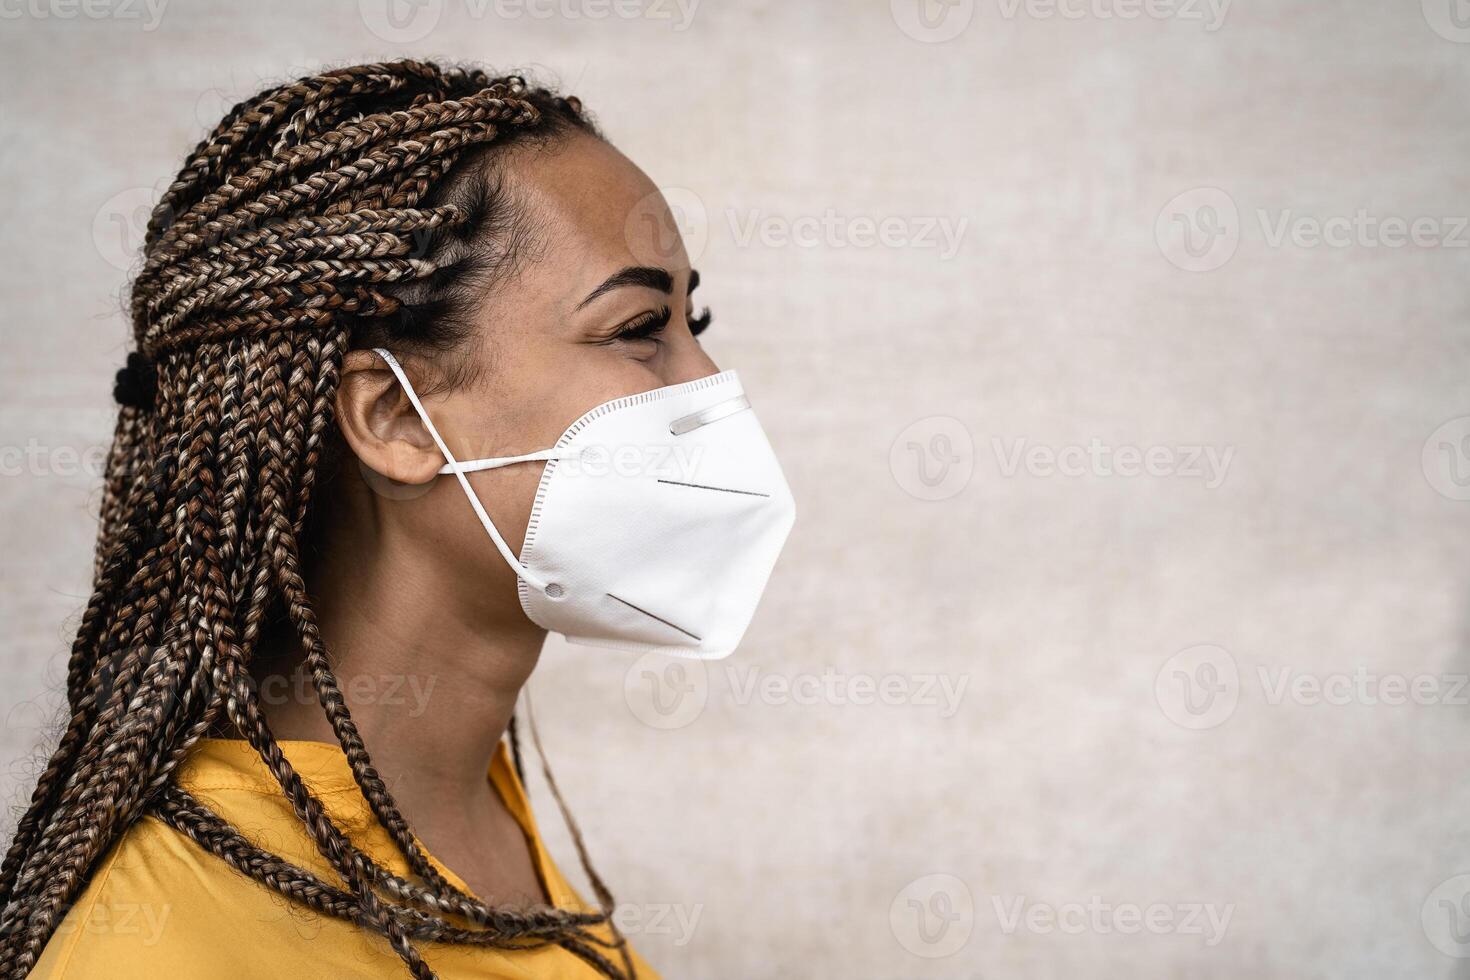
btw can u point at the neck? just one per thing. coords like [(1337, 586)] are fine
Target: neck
[(430, 686)]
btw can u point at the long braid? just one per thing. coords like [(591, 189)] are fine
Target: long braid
[(311, 221)]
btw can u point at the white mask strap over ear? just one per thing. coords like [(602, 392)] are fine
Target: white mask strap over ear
[(460, 469), (496, 462)]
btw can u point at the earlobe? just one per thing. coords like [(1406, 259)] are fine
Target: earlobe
[(379, 423)]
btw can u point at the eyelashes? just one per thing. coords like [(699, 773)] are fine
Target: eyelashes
[(698, 324), (645, 326), (649, 325)]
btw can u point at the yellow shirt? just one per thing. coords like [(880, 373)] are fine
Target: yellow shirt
[(159, 905)]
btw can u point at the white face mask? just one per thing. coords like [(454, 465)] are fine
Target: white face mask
[(656, 524)]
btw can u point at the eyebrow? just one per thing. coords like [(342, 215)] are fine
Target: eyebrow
[(639, 275)]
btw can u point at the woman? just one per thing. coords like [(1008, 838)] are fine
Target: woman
[(418, 380)]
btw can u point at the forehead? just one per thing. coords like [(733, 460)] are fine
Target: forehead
[(592, 210)]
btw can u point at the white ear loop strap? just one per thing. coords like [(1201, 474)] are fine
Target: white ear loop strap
[(458, 469), (476, 465)]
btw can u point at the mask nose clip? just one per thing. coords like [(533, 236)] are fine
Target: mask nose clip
[(688, 423)]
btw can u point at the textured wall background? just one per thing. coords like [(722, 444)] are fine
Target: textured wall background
[(1164, 305)]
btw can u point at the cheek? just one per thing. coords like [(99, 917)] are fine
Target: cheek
[(460, 544), (507, 496), (509, 503)]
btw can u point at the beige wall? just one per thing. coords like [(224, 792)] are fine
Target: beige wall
[(1035, 629)]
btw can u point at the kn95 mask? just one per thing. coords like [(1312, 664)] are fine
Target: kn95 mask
[(657, 521)]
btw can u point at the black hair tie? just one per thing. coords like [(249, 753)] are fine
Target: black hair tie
[(137, 383)]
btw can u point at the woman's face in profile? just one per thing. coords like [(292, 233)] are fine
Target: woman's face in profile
[(594, 302)]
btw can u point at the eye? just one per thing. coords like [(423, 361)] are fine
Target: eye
[(698, 324), (645, 326)]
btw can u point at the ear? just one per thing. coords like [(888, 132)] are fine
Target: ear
[(380, 424)]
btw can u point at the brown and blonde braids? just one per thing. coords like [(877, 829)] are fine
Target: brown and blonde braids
[(344, 210)]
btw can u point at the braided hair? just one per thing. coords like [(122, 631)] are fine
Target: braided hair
[(329, 214)]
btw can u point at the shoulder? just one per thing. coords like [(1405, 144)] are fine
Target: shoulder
[(158, 905)]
